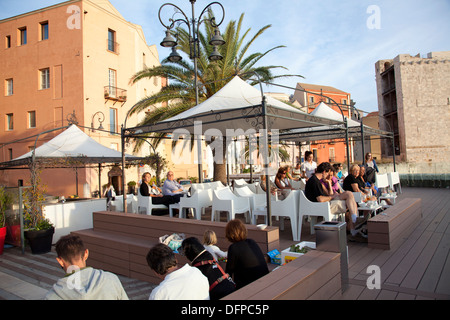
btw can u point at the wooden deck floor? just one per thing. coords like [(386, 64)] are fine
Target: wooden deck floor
[(417, 269)]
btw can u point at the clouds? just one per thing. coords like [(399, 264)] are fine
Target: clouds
[(327, 41)]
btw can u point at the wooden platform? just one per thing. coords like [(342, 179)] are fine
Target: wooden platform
[(120, 242), (316, 276), (419, 268), (387, 229)]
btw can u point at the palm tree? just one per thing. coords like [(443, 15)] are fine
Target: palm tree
[(179, 94)]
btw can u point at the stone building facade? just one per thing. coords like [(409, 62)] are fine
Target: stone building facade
[(414, 99)]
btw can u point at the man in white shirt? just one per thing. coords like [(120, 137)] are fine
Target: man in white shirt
[(172, 188), (185, 283)]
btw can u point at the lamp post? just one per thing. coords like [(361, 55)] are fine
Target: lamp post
[(101, 118), (194, 46)]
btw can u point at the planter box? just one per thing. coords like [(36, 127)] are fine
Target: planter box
[(288, 256)]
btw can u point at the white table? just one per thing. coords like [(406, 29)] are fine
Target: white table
[(372, 209), (388, 196)]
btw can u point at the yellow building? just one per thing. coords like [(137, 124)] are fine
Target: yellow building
[(68, 61)]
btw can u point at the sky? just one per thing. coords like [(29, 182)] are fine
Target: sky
[(329, 42)]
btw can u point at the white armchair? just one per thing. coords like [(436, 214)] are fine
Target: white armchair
[(394, 179), (256, 200), (199, 200), (381, 180), (314, 210), (145, 205), (225, 200), (288, 208)]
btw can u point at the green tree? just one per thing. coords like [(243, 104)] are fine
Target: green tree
[(179, 94)]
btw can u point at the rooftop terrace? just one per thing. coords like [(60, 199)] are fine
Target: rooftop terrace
[(419, 268)]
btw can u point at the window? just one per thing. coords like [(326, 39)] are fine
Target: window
[(10, 153), (111, 40), (22, 36), (332, 156), (314, 151), (344, 101), (45, 78), (112, 120), (9, 122), (8, 42), (9, 87), (31, 119), (44, 30), (112, 82), (311, 100)]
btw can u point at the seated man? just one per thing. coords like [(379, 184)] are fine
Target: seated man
[(339, 202), (81, 282), (172, 188), (186, 283)]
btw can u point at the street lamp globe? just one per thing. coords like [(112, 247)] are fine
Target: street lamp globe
[(168, 40), (215, 55), (174, 55), (217, 39)]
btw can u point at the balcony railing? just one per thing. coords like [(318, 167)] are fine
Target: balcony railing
[(116, 94)]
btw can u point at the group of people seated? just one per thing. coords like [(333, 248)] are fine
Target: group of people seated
[(170, 193), (202, 279), (320, 188)]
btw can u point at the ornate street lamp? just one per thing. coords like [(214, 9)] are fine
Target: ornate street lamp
[(101, 118), (194, 43)]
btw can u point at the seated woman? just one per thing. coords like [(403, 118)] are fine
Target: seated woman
[(273, 187), (297, 172), (147, 190), (288, 173), (246, 262), (282, 182), (220, 283), (352, 183), (330, 183), (362, 178)]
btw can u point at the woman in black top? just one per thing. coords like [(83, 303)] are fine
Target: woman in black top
[(245, 260), (220, 283), (352, 183)]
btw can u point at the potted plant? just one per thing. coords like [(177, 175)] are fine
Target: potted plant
[(5, 202), (131, 187), (38, 229)]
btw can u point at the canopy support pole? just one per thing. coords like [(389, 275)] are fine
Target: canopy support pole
[(362, 143), (346, 142), (266, 162)]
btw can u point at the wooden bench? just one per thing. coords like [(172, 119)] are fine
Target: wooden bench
[(386, 230), (316, 276), (119, 242)]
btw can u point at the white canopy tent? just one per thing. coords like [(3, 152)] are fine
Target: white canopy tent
[(237, 106), (70, 148), (75, 144), (355, 130)]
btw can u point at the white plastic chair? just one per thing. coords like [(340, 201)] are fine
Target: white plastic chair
[(257, 200), (225, 200), (298, 185), (314, 210), (394, 179), (145, 205), (288, 208), (357, 196), (199, 200), (381, 180)]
